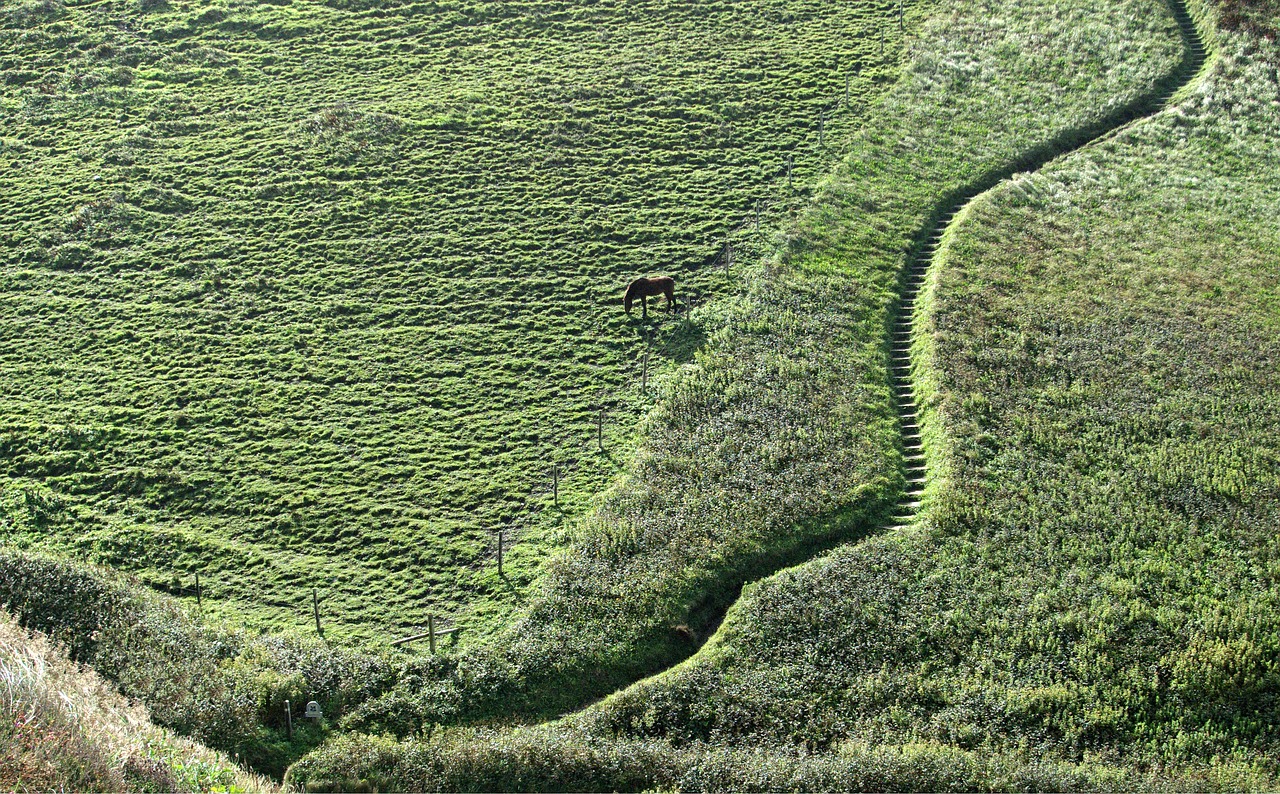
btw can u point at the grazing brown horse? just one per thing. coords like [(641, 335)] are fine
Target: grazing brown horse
[(642, 288)]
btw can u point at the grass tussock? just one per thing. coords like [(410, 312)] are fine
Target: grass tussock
[(62, 727)]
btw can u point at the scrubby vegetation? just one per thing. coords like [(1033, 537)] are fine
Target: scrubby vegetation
[(223, 687), (1110, 444), (552, 759), (62, 728), (303, 293), (832, 288)]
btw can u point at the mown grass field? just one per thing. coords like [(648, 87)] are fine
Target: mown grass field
[(303, 294)]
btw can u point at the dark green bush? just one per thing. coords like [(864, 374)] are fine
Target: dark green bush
[(560, 758)]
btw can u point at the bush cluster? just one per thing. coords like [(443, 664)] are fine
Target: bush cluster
[(223, 687), (551, 758)]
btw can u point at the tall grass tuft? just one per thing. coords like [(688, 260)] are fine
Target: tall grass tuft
[(63, 727)]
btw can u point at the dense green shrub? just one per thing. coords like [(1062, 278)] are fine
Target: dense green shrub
[(63, 728), (550, 758)]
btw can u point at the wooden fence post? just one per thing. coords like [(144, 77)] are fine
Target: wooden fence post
[(499, 552), (315, 609), (791, 159), (199, 600), (288, 717), (644, 371)]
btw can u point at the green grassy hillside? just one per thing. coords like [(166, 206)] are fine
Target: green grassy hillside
[(1088, 600), (1095, 578), (779, 439), (303, 293)]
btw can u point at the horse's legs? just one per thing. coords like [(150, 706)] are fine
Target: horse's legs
[(644, 301), (671, 298)]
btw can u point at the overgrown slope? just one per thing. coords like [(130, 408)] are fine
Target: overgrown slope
[(63, 728)]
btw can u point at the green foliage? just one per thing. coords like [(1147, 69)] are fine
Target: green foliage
[(63, 728), (1093, 584), (780, 437), (1102, 334), (547, 759), (785, 416), (222, 687)]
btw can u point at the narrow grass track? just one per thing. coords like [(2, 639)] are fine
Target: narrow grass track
[(903, 318)]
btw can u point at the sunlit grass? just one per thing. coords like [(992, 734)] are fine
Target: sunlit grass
[(315, 294)]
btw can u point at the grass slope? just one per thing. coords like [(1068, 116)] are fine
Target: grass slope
[(303, 293), (1096, 581), (780, 437), (1105, 333), (64, 728)]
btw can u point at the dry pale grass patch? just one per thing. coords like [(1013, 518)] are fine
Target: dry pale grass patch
[(63, 727)]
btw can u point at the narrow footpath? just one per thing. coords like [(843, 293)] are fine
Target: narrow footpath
[(902, 324)]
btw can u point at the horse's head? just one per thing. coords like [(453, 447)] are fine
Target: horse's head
[(634, 290)]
